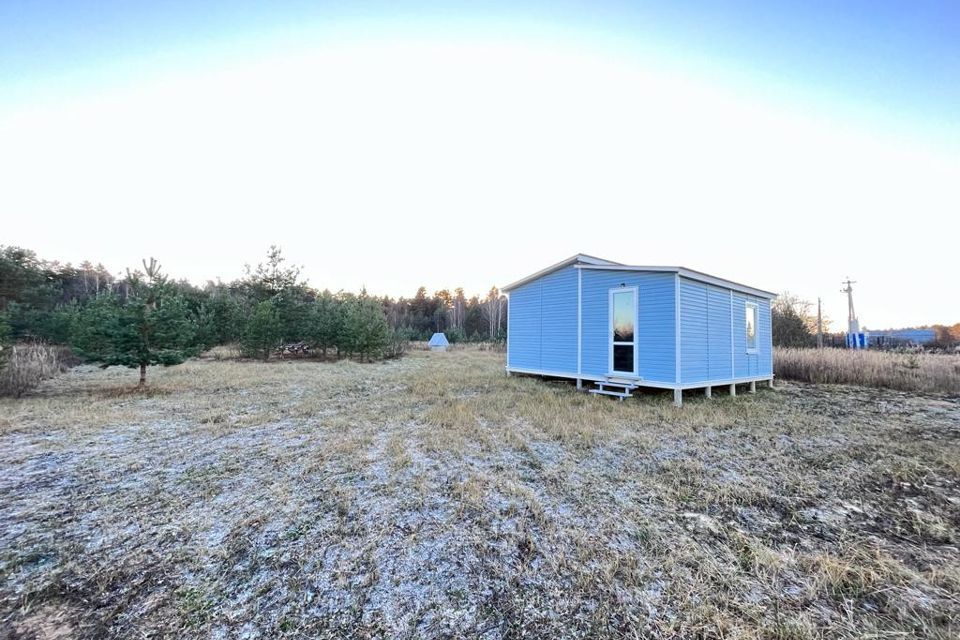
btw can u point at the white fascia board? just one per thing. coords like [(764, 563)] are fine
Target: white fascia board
[(689, 274), (628, 267), (580, 259)]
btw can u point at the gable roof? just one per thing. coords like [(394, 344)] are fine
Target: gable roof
[(582, 261), (580, 258), (438, 340)]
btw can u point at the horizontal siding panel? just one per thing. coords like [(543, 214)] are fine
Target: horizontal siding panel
[(765, 337), (718, 320), (752, 364), (558, 321), (694, 332), (523, 327), (707, 335)]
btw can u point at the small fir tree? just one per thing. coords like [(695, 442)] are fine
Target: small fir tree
[(263, 331), (146, 323), (324, 322), (221, 318), (365, 328)]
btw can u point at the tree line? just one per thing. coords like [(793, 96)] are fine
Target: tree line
[(795, 325), (144, 318)]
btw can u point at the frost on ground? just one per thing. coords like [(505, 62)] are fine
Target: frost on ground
[(435, 497)]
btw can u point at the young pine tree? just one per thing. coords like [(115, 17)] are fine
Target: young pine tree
[(324, 322), (365, 329), (263, 332), (220, 318), (148, 325)]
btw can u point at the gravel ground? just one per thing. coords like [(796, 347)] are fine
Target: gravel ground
[(434, 497)]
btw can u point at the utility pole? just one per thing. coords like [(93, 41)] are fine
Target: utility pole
[(853, 325), (852, 322), (819, 326)]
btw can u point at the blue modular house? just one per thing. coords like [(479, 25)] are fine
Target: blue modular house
[(623, 327)]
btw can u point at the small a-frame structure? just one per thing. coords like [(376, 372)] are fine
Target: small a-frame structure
[(438, 342)]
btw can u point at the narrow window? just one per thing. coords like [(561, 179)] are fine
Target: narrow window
[(623, 317), (751, 327)]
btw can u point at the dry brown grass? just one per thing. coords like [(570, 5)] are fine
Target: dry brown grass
[(935, 373), (26, 365), (499, 347), (435, 497)]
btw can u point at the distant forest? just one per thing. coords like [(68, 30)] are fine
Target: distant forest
[(143, 318)]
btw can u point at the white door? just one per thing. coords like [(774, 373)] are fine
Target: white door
[(623, 334)]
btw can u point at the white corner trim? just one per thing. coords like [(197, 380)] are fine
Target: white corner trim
[(678, 337), (579, 321), (509, 315), (733, 352)]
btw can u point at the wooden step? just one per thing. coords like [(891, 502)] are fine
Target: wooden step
[(618, 388), (620, 385), (616, 394)]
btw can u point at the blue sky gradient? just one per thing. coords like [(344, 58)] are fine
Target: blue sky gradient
[(787, 145), (895, 60)]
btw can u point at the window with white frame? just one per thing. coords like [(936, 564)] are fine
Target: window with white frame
[(751, 327)]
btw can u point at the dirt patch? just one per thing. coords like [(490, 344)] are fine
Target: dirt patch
[(50, 622)]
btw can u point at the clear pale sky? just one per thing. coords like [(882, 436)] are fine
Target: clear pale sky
[(393, 144)]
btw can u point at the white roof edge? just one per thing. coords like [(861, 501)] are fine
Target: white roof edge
[(690, 274), (576, 259)]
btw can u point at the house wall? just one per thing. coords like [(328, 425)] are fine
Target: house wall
[(760, 363), (656, 326), (542, 327), (706, 332), (542, 324)]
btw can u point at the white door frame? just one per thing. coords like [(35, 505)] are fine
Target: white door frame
[(636, 330)]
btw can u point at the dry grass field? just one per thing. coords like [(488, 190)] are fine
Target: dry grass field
[(433, 497), (931, 372)]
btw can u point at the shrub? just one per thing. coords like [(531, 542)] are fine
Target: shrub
[(455, 335), (399, 343), (28, 364)]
